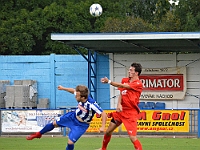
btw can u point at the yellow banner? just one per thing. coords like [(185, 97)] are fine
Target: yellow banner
[(96, 122), (163, 121)]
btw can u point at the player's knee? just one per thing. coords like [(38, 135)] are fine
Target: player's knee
[(70, 142), (108, 133), (55, 124), (133, 138)]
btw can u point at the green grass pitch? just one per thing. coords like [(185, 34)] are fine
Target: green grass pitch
[(92, 143)]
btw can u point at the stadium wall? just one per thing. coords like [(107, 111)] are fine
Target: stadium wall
[(52, 70), (70, 70)]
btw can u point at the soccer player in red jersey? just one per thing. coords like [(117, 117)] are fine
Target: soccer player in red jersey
[(127, 109)]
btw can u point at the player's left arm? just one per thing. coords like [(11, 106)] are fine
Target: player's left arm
[(70, 90)]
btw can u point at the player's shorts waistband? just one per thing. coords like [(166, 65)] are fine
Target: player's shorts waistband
[(131, 109), (79, 119)]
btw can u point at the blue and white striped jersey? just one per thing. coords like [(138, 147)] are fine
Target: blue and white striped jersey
[(87, 110)]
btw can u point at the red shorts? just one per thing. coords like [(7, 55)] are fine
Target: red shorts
[(129, 119)]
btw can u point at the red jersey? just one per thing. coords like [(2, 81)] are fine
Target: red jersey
[(130, 97)]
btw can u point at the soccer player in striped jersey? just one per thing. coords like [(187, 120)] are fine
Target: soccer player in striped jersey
[(79, 120), (127, 109)]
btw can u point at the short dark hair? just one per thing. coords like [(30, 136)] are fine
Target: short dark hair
[(138, 67), (84, 91)]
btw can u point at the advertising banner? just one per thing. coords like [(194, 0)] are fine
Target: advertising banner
[(163, 83), (149, 121), (163, 121), (28, 120)]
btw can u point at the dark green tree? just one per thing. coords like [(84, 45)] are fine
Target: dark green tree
[(28, 32), (189, 14), (26, 26)]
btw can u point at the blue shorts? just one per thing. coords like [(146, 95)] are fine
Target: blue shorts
[(77, 128)]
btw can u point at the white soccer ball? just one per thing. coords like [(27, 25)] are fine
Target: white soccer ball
[(96, 10)]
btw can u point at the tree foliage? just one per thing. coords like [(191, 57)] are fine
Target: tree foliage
[(189, 15), (128, 24), (170, 23), (26, 26)]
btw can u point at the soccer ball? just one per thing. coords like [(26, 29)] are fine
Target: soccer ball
[(96, 10)]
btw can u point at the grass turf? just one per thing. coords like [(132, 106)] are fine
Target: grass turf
[(92, 143)]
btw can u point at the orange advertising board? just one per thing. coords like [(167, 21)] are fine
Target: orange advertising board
[(96, 122), (151, 121), (162, 121)]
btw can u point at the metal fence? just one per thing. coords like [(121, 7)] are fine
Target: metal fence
[(194, 121)]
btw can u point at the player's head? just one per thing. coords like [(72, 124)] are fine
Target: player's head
[(135, 69), (81, 93)]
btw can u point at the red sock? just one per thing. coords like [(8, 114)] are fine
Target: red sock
[(106, 140), (137, 145)]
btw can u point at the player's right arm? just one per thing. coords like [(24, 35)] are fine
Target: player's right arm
[(115, 84), (103, 125), (70, 90), (101, 112)]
